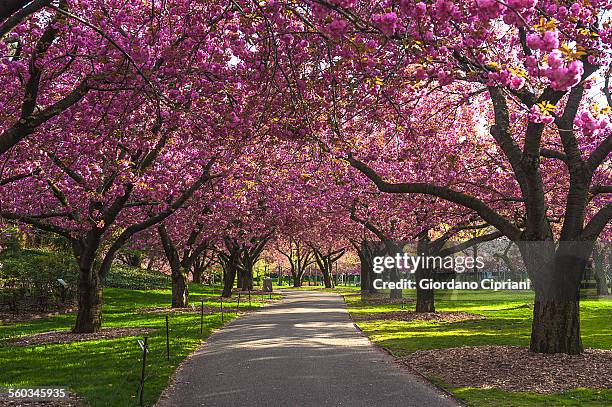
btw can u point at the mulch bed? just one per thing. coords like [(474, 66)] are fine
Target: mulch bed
[(190, 309), (451, 316), (370, 300), (514, 368), (71, 401), (25, 315), (54, 337)]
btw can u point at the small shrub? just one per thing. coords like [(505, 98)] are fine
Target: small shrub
[(31, 277), (135, 278)]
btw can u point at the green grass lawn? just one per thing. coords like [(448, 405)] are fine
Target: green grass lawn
[(507, 322), (107, 372)]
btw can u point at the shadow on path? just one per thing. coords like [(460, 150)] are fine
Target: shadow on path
[(301, 351)]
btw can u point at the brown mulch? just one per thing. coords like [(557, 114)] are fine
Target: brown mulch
[(385, 300), (190, 309), (451, 316), (54, 337), (244, 307), (514, 368), (25, 315), (71, 401)]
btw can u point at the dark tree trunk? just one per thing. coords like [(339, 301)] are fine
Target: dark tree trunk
[(247, 278), (229, 275), (366, 268), (556, 326), (424, 297), (180, 290), (425, 300), (556, 313), (297, 280), (327, 278), (364, 274), (240, 282), (133, 259), (89, 316), (196, 274)]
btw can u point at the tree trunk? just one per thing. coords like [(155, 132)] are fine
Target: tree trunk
[(396, 293), (327, 278), (89, 316), (133, 259), (556, 327), (297, 280), (247, 279), (600, 281), (425, 301), (364, 273), (240, 283), (229, 275), (180, 290), (599, 272), (424, 297), (196, 273), (556, 313)]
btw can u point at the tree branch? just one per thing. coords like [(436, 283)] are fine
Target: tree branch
[(460, 198)]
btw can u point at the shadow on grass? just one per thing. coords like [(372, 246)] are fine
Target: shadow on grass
[(107, 372)]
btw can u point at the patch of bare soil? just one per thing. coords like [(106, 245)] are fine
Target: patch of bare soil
[(29, 314), (513, 368), (194, 308), (71, 401), (189, 309), (374, 300), (52, 337), (451, 316)]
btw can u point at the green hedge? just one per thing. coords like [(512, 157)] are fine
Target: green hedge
[(135, 278), (31, 275)]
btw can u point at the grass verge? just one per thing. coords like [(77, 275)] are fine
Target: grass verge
[(107, 372), (507, 321)]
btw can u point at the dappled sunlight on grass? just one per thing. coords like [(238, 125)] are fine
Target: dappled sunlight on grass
[(507, 321), (107, 372)]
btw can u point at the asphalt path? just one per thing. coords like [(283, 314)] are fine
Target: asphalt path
[(301, 351)]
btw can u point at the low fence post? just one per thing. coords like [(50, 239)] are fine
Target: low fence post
[(167, 340), (221, 309), (201, 316), (145, 350)]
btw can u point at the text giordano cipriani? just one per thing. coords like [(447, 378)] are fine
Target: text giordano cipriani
[(408, 263)]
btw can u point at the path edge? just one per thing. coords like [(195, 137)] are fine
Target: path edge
[(164, 398), (420, 376)]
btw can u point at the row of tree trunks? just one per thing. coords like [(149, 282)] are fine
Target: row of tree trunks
[(325, 262), (181, 263), (239, 261), (366, 252), (200, 265), (300, 256)]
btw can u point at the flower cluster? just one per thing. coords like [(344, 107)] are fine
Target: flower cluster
[(593, 122), (386, 22), (563, 75)]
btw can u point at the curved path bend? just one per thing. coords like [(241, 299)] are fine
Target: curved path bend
[(301, 351)]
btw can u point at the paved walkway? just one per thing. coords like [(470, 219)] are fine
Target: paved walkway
[(301, 351)]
